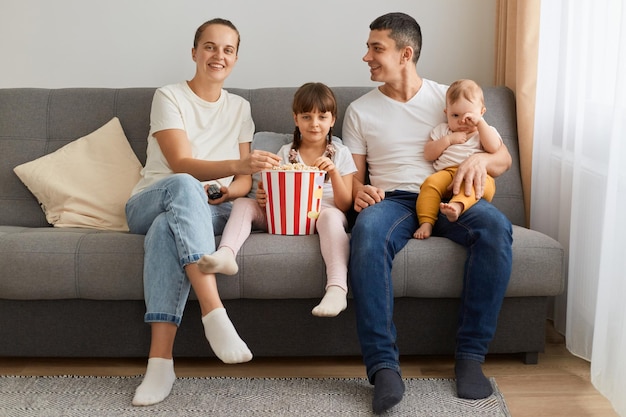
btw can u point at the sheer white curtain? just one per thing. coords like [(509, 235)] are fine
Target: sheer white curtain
[(579, 177)]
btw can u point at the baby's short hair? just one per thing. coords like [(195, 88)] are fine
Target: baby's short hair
[(467, 89)]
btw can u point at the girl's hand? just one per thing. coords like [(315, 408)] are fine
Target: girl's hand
[(261, 196), (325, 164)]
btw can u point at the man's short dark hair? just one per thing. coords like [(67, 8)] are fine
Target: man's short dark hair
[(405, 31)]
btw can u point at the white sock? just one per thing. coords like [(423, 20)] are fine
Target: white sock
[(157, 382), (223, 338), (222, 261), (333, 303)]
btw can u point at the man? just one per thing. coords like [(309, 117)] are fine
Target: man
[(386, 130)]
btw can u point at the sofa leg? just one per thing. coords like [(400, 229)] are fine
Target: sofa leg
[(531, 358)]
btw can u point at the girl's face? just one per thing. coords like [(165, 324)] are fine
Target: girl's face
[(216, 53), (314, 125)]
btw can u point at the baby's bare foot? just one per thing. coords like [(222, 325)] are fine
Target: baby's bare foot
[(451, 210), (424, 231)]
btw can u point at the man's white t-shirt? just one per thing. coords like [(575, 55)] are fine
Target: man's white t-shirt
[(214, 129), (342, 160), (392, 135)]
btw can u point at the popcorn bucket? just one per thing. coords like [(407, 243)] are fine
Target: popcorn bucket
[(294, 199)]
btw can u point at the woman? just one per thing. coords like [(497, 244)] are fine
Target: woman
[(198, 132)]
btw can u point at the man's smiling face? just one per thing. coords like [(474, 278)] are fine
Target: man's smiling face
[(383, 56)]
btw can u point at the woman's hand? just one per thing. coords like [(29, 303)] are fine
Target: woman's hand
[(257, 161), (221, 199)]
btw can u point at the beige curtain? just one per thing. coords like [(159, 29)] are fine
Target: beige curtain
[(517, 40)]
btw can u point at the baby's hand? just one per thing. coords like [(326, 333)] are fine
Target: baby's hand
[(457, 138), (472, 119)]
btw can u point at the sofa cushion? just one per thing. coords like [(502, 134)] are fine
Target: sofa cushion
[(270, 141), (54, 263), (85, 183)]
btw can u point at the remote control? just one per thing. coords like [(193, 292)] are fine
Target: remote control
[(214, 192)]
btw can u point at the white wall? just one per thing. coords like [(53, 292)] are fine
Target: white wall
[(138, 43)]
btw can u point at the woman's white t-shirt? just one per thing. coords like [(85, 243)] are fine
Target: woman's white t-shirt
[(214, 129)]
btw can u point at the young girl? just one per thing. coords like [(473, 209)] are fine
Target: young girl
[(314, 114)]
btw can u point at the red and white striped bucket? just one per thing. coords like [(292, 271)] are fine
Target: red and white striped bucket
[(294, 199)]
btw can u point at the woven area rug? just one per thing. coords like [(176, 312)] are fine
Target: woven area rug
[(275, 397)]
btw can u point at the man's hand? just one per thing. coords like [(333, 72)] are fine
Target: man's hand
[(472, 171), (367, 195)]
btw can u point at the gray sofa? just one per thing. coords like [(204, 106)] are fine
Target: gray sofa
[(72, 292)]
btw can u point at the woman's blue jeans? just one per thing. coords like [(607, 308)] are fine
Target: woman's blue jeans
[(382, 230), (180, 227)]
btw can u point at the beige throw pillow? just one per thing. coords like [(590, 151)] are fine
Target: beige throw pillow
[(87, 182)]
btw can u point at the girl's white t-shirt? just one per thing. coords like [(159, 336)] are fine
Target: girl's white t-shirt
[(214, 129), (392, 135)]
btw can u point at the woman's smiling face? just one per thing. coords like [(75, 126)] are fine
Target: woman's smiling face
[(216, 53)]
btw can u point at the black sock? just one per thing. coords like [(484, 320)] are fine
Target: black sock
[(388, 390), (471, 383)]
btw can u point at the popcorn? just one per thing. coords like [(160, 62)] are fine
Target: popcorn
[(295, 166), (294, 199)]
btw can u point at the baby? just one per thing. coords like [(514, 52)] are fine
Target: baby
[(465, 134)]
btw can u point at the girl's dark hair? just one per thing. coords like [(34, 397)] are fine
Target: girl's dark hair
[(405, 31), (216, 21), (309, 97)]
